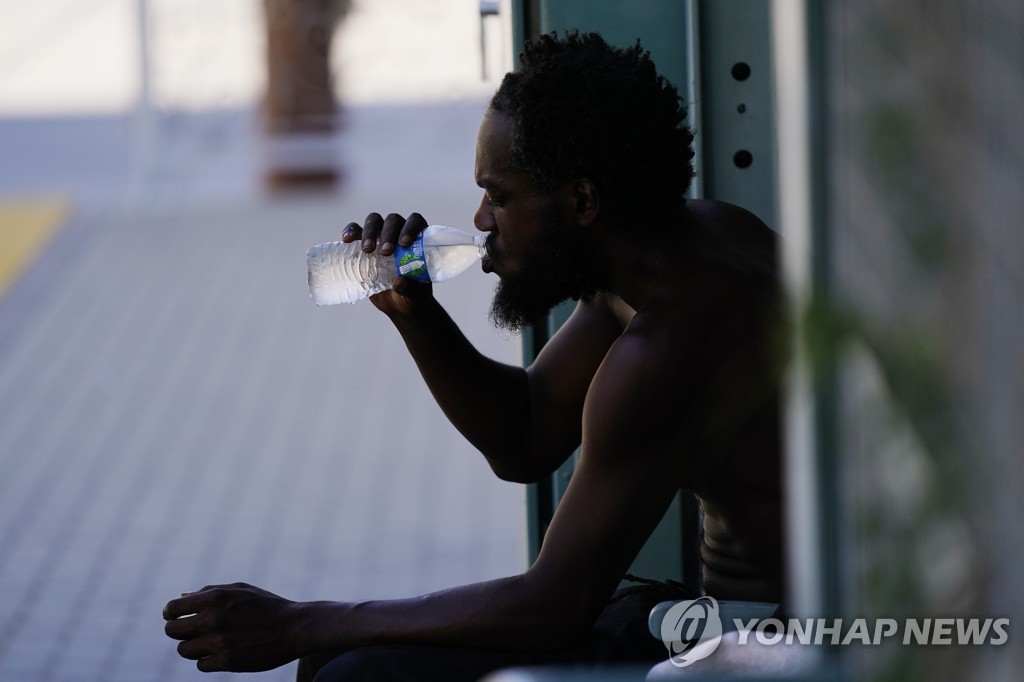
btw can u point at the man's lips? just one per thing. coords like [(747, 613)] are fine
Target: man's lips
[(489, 258)]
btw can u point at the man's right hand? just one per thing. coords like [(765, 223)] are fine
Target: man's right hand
[(378, 233)]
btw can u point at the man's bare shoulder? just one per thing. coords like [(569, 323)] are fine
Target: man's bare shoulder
[(723, 217), (738, 235)]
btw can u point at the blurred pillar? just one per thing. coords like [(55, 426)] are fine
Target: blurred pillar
[(300, 110), (488, 8)]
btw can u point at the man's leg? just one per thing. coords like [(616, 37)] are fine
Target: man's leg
[(619, 635), (410, 662), (309, 666)]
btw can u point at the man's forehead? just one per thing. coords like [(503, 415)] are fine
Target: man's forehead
[(493, 149), (496, 122), (502, 176)]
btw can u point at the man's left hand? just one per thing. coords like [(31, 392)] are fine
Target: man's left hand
[(236, 627)]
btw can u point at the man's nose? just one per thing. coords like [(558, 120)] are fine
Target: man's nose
[(483, 219)]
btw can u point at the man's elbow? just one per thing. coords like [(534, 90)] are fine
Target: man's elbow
[(560, 619), (570, 634), (524, 470), (554, 633)]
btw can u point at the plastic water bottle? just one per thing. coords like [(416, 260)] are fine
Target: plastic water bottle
[(343, 273)]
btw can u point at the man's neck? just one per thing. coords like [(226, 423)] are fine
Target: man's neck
[(637, 261)]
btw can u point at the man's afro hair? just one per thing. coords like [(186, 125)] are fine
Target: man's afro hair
[(582, 108)]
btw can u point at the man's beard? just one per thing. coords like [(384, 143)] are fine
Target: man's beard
[(557, 266)]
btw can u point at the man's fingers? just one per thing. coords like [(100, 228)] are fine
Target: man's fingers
[(205, 654), (409, 288), (389, 233), (193, 649), (187, 627), (176, 608), (210, 664), (384, 232), (371, 230), (189, 603), (351, 233), (412, 227)]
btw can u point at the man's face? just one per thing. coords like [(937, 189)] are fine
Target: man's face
[(532, 245)]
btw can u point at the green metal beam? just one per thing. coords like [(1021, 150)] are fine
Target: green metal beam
[(737, 105)]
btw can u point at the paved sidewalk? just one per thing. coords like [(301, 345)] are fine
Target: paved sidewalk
[(175, 412)]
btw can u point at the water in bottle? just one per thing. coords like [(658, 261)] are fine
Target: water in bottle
[(343, 273)]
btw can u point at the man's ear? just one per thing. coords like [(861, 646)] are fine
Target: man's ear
[(583, 201)]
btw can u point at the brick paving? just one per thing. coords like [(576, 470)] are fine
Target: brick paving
[(175, 412)]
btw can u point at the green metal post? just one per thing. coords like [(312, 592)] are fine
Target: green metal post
[(725, 79)]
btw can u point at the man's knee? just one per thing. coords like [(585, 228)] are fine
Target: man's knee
[(411, 662), (309, 666), (369, 664)]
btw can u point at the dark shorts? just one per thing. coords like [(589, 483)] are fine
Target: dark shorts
[(620, 635)]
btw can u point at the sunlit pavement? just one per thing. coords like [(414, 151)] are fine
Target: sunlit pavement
[(174, 411)]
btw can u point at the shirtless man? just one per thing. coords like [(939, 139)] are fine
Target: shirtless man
[(665, 376)]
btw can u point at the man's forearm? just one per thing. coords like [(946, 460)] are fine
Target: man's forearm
[(487, 401), (243, 628), (503, 614)]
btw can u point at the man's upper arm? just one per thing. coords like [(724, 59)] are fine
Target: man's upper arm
[(626, 477), (560, 377)]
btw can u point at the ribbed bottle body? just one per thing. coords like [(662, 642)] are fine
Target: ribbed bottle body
[(343, 273)]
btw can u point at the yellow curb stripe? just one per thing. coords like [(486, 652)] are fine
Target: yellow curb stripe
[(26, 226)]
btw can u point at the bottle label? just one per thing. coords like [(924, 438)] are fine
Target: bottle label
[(411, 262)]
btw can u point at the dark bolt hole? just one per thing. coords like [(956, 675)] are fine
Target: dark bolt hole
[(742, 108), (743, 158), (741, 71)]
